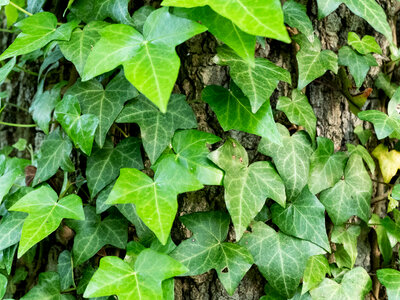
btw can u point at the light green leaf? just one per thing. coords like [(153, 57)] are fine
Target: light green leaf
[(392, 228), (326, 166), (303, 218), (106, 103), (346, 253), (104, 164), (92, 234), (6, 69), (296, 16), (263, 18), (358, 64), (361, 151), (3, 285), (140, 16), (45, 215), (246, 187), (391, 281), (257, 79), (291, 158), (157, 128), (48, 287), (299, 111), (355, 285), (150, 61), (65, 270), (362, 134), (280, 258), (4, 2), (312, 61), (78, 48), (54, 153), (233, 111), (10, 229), (383, 124), (37, 31), (350, 196), (316, 269), (159, 209), (206, 250), (325, 7), (6, 182), (80, 129), (142, 280), (191, 151), (365, 45), (384, 242)]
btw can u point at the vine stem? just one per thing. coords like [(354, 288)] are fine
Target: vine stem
[(17, 125), (21, 9)]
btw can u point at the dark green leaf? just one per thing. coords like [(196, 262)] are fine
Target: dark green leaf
[(65, 270), (391, 280), (296, 16)]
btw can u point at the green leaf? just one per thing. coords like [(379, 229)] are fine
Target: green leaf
[(159, 209), (205, 250), (78, 48), (312, 61), (303, 218), (263, 18), (65, 270), (150, 61), (10, 229), (316, 269), (140, 16), (384, 83), (80, 129), (350, 196), (257, 79), (37, 31), (157, 128), (299, 111), (48, 287), (346, 253), (365, 45), (383, 124), (326, 166), (358, 64), (384, 242), (391, 281), (246, 187), (280, 258), (104, 164), (45, 215), (6, 69), (106, 103), (233, 111), (362, 134), (296, 16), (361, 151), (3, 285), (4, 2), (392, 228), (141, 280), (355, 285), (92, 234), (291, 158), (54, 153), (35, 6), (191, 151)]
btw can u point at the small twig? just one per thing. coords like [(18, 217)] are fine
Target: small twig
[(381, 182), (21, 9), (120, 130), (381, 197), (27, 71)]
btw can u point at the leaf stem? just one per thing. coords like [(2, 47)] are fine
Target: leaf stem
[(21, 9), (26, 71), (120, 130), (65, 185), (17, 125)]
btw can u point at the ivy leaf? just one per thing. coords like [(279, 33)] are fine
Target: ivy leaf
[(346, 253), (246, 187), (92, 234), (296, 16), (358, 64), (37, 31), (233, 111), (355, 285), (257, 79), (157, 128), (80, 129), (384, 83), (223, 29), (392, 228), (35, 6), (205, 250), (280, 258), (65, 270), (303, 218), (312, 61), (54, 153), (350, 196), (384, 243), (362, 134), (3, 285), (299, 111), (106, 103), (391, 281), (191, 151), (384, 125), (316, 269), (159, 209), (389, 161), (291, 158), (45, 215), (263, 19), (326, 166), (10, 229), (150, 61), (4, 2), (361, 151), (117, 277), (104, 164), (140, 16), (6, 69), (365, 45), (48, 287), (78, 48)]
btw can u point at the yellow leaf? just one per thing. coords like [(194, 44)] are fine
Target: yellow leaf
[(389, 161)]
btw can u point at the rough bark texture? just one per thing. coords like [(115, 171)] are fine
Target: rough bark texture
[(335, 121)]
